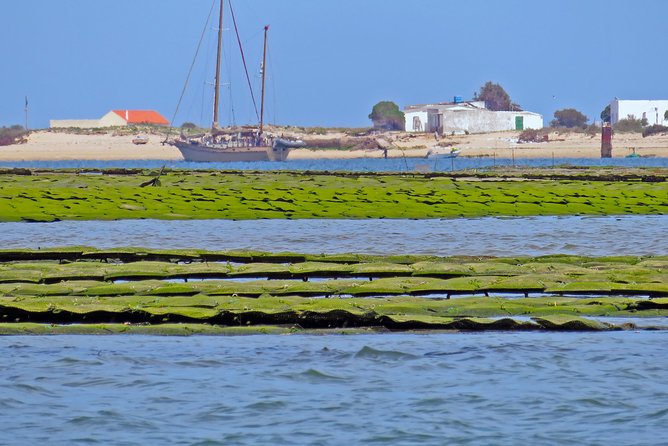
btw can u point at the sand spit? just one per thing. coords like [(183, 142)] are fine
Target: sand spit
[(46, 145)]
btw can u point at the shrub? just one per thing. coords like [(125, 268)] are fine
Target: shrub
[(653, 130), (629, 125), (592, 130), (316, 130), (188, 126), (15, 134), (532, 135)]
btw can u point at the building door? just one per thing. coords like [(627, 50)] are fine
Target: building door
[(519, 122), (417, 124)]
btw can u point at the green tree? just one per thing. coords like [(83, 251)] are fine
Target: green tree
[(665, 115), (496, 98), (386, 115), (605, 114), (569, 118)]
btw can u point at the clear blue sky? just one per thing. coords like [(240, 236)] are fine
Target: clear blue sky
[(330, 60)]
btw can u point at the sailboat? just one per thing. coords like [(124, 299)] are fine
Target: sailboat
[(247, 143)]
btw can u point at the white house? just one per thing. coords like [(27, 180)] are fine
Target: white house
[(653, 111), (461, 117)]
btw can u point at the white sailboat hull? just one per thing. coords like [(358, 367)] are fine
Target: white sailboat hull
[(202, 153)]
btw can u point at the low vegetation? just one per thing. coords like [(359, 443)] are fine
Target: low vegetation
[(129, 287), (34, 195), (629, 125), (654, 130), (591, 130), (116, 131), (15, 134), (533, 135)]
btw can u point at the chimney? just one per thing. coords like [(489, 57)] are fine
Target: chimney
[(127, 115)]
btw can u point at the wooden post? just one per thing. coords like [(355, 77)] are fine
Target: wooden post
[(606, 141)]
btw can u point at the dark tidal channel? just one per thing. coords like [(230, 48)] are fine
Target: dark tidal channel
[(531, 236), (390, 389)]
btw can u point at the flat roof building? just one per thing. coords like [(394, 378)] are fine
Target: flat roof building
[(654, 111), (466, 117)]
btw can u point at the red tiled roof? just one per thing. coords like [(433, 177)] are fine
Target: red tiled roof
[(142, 117)]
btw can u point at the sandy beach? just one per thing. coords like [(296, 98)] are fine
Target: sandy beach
[(45, 145)]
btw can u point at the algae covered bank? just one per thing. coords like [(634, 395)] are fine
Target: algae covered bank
[(34, 195), (170, 291)]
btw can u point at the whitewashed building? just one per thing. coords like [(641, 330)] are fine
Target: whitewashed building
[(653, 111), (463, 117)]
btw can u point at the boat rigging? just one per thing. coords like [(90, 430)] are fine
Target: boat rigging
[(247, 143)]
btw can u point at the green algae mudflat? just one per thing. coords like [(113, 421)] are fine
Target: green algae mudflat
[(132, 290), (48, 195)]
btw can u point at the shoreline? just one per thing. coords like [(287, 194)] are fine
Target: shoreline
[(45, 145)]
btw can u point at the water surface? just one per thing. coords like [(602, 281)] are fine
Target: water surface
[(389, 389), (533, 236), (355, 164)]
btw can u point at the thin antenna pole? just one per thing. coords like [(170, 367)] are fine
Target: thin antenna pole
[(264, 71), (216, 96), (26, 110)]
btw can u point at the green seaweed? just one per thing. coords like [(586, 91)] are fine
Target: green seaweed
[(139, 329), (63, 195), (45, 285)]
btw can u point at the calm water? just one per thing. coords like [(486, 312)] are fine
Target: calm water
[(595, 236), (390, 389), (357, 165)]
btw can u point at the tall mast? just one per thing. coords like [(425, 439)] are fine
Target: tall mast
[(264, 71), (220, 50)]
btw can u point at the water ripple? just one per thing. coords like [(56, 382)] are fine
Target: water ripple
[(394, 389), (392, 355), (593, 236), (316, 376)]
